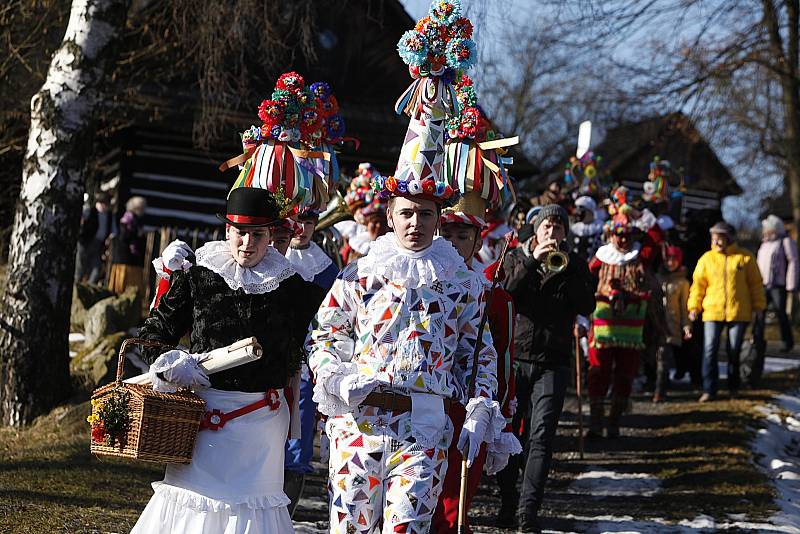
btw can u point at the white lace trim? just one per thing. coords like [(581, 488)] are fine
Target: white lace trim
[(308, 262), (506, 443), (327, 403), (189, 499), (497, 422), (437, 263), (263, 278), (609, 254), (361, 243)]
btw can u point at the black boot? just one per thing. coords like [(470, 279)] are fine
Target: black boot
[(528, 524), (596, 414), (507, 516)]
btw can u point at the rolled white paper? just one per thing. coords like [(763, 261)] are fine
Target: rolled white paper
[(234, 355)]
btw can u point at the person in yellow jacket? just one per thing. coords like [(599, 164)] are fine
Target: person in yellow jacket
[(727, 290)]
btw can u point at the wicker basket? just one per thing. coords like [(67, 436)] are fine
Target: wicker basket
[(162, 426)]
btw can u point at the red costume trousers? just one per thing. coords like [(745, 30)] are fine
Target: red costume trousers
[(445, 520), (615, 367)]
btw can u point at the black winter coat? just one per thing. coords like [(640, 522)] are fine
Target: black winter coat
[(218, 316), (550, 302)]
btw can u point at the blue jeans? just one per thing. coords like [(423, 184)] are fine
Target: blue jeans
[(712, 331)]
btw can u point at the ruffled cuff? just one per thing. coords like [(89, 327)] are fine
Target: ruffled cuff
[(506, 443), (328, 403), (497, 421)]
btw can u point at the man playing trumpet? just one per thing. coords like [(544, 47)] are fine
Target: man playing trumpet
[(550, 287)]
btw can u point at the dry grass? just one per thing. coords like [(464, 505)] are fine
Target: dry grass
[(49, 483)]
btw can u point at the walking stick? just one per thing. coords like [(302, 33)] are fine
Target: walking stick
[(462, 494), (578, 392)]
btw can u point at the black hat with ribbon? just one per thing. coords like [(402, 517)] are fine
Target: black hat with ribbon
[(249, 207)]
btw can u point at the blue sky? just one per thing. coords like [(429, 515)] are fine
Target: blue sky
[(490, 17)]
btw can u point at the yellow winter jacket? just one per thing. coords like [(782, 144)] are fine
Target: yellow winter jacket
[(727, 287)]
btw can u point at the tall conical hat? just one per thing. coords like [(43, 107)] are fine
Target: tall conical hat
[(435, 50)]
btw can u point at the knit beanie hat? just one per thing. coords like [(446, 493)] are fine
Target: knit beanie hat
[(551, 210)]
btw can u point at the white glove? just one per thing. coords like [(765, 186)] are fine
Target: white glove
[(495, 462), (174, 256), (179, 369), (473, 433), (352, 388)]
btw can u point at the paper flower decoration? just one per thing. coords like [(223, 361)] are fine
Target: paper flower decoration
[(292, 153), (441, 40), (475, 152)]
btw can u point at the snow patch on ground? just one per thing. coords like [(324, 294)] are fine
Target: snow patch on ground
[(702, 524), (599, 483), (305, 527), (771, 365), (777, 451)]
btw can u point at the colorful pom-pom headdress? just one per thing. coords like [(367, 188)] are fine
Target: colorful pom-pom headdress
[(476, 154), (361, 199), (620, 211), (436, 50), (656, 188), (292, 150)]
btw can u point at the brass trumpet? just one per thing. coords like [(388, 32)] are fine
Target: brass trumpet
[(556, 261)]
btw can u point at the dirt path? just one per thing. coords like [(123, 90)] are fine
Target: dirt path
[(680, 466)]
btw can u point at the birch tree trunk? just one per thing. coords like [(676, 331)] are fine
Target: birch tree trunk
[(34, 316)]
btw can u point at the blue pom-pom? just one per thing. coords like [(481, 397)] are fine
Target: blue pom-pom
[(321, 90), (461, 54), (445, 11), (413, 48)]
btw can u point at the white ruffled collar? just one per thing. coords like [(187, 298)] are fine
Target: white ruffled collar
[(437, 263), (309, 261), (263, 278), (609, 254)]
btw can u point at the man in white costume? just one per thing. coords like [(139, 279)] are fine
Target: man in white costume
[(392, 350)]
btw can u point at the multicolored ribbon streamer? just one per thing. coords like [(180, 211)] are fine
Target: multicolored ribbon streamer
[(278, 166), (480, 167)]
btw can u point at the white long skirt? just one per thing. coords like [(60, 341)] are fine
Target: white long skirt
[(234, 484)]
